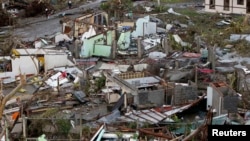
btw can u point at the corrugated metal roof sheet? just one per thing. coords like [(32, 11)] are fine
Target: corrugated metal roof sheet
[(144, 80), (152, 115)]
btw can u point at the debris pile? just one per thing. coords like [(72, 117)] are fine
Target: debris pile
[(156, 77)]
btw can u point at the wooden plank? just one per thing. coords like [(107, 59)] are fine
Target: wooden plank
[(47, 108)]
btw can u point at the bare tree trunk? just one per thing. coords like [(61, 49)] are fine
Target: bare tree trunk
[(195, 132), (6, 98), (1, 5)]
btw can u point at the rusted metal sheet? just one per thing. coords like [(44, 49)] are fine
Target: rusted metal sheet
[(154, 116), (160, 135)]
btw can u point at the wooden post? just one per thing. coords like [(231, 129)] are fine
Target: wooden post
[(81, 126), (125, 100), (213, 57), (114, 48), (76, 48), (58, 84), (196, 75), (165, 73), (158, 2), (166, 45), (24, 128), (139, 48), (6, 130)]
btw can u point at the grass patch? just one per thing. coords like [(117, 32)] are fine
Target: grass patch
[(174, 1)]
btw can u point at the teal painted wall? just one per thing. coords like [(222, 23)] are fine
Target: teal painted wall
[(102, 50), (95, 45)]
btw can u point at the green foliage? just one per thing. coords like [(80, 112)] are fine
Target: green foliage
[(173, 44), (132, 125), (232, 80), (188, 128), (86, 87), (127, 4), (36, 127), (172, 127), (63, 126), (50, 112), (119, 134), (187, 12), (76, 86), (160, 8), (105, 6), (86, 130), (100, 82), (146, 125), (242, 46), (135, 136), (173, 1), (114, 8), (236, 27), (175, 118)]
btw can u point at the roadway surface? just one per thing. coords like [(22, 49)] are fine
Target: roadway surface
[(30, 29), (33, 28)]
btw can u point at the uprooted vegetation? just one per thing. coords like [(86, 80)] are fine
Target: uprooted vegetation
[(6, 18), (19, 9), (204, 25)]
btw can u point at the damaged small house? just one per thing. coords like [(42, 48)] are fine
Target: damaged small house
[(99, 79)]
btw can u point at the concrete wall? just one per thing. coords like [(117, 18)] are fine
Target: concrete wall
[(184, 94), (209, 97), (25, 64), (215, 99), (233, 7), (143, 27), (22, 65), (155, 97), (52, 61), (90, 48), (216, 102)]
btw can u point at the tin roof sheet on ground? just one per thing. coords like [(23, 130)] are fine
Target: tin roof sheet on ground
[(151, 115)]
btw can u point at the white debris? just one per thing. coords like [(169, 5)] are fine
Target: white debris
[(171, 11)]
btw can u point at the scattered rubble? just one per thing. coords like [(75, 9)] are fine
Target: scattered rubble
[(146, 78)]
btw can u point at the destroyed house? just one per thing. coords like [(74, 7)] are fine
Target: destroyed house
[(80, 25), (31, 62), (143, 87), (228, 6), (98, 45), (221, 98)]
